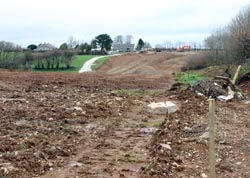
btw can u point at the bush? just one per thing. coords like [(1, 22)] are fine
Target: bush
[(198, 61), (53, 60), (12, 60), (97, 52), (245, 68)]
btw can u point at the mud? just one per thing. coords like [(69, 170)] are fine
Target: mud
[(95, 125)]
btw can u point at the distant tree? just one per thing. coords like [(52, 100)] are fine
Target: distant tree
[(231, 44), (93, 44), (147, 45), (118, 39), (179, 44), (63, 46), (32, 46), (159, 46), (140, 44), (104, 41), (168, 44), (77, 46), (128, 39), (85, 47), (222, 49), (72, 42), (9, 46), (193, 44)]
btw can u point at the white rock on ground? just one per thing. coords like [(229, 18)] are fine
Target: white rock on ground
[(162, 108), (205, 135), (172, 108), (229, 97), (246, 101), (166, 146)]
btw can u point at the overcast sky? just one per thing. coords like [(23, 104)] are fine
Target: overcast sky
[(54, 21)]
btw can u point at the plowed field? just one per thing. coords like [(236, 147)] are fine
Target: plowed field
[(95, 125)]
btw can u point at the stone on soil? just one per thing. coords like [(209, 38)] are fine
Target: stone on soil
[(166, 146), (205, 135), (74, 164), (162, 108)]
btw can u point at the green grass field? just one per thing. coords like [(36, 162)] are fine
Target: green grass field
[(99, 62)]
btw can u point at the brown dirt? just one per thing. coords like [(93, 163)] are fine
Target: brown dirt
[(188, 156), (244, 82), (49, 122), (147, 64), (95, 124)]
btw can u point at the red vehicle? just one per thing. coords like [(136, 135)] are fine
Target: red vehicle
[(183, 49)]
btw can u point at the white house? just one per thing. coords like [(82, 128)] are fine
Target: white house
[(123, 47), (45, 47)]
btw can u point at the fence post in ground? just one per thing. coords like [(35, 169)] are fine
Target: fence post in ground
[(211, 137), (236, 75)]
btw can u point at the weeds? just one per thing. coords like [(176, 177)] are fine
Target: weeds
[(99, 62), (159, 124), (132, 159), (21, 146), (65, 127), (188, 78)]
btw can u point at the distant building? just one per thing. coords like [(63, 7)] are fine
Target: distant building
[(45, 47), (123, 47)]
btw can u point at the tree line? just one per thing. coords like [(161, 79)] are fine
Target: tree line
[(231, 44), (103, 41), (49, 60), (12, 56)]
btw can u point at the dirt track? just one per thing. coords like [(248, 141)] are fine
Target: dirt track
[(95, 124)]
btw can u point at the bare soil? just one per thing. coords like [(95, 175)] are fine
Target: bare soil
[(146, 64), (95, 124)]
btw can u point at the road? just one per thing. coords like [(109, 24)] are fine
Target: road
[(87, 65)]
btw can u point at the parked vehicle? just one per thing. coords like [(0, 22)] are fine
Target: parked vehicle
[(183, 49)]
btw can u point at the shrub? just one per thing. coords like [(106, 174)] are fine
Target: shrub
[(198, 61)]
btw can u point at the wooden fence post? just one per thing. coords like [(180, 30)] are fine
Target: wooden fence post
[(211, 138), (236, 74)]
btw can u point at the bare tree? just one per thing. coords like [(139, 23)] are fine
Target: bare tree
[(118, 39), (168, 44), (72, 42), (240, 33), (231, 44), (179, 44), (9, 46), (193, 44), (128, 39), (147, 45), (159, 46)]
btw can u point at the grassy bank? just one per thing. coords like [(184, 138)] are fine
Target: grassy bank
[(99, 62)]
